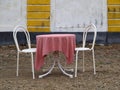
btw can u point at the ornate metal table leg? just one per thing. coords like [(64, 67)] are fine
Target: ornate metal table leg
[(40, 76), (61, 68)]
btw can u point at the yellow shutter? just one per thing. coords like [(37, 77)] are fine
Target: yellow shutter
[(38, 15), (113, 15)]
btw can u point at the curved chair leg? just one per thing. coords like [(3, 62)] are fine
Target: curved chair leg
[(76, 62), (17, 64), (83, 61), (94, 61), (32, 62)]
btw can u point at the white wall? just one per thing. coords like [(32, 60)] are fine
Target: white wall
[(74, 15), (12, 13)]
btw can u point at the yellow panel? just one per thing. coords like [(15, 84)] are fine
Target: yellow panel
[(38, 8), (40, 15), (38, 29), (114, 8), (113, 1), (38, 2), (114, 22), (113, 15), (113, 29), (38, 23)]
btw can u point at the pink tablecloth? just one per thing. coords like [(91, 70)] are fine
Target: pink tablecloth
[(65, 43)]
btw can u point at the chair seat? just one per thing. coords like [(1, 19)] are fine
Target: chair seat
[(29, 50), (81, 49)]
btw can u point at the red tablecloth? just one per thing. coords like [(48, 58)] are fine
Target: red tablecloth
[(65, 43)]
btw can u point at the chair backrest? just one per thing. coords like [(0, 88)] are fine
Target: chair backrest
[(22, 29), (85, 34)]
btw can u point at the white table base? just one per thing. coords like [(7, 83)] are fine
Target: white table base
[(60, 67)]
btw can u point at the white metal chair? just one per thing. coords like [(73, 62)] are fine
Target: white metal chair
[(84, 48), (30, 50)]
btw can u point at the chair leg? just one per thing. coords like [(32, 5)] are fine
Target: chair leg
[(76, 62), (32, 62), (83, 61), (17, 64), (94, 61)]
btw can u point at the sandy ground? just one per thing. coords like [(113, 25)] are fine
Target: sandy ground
[(107, 67)]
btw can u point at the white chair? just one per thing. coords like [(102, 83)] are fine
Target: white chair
[(84, 48), (30, 50)]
